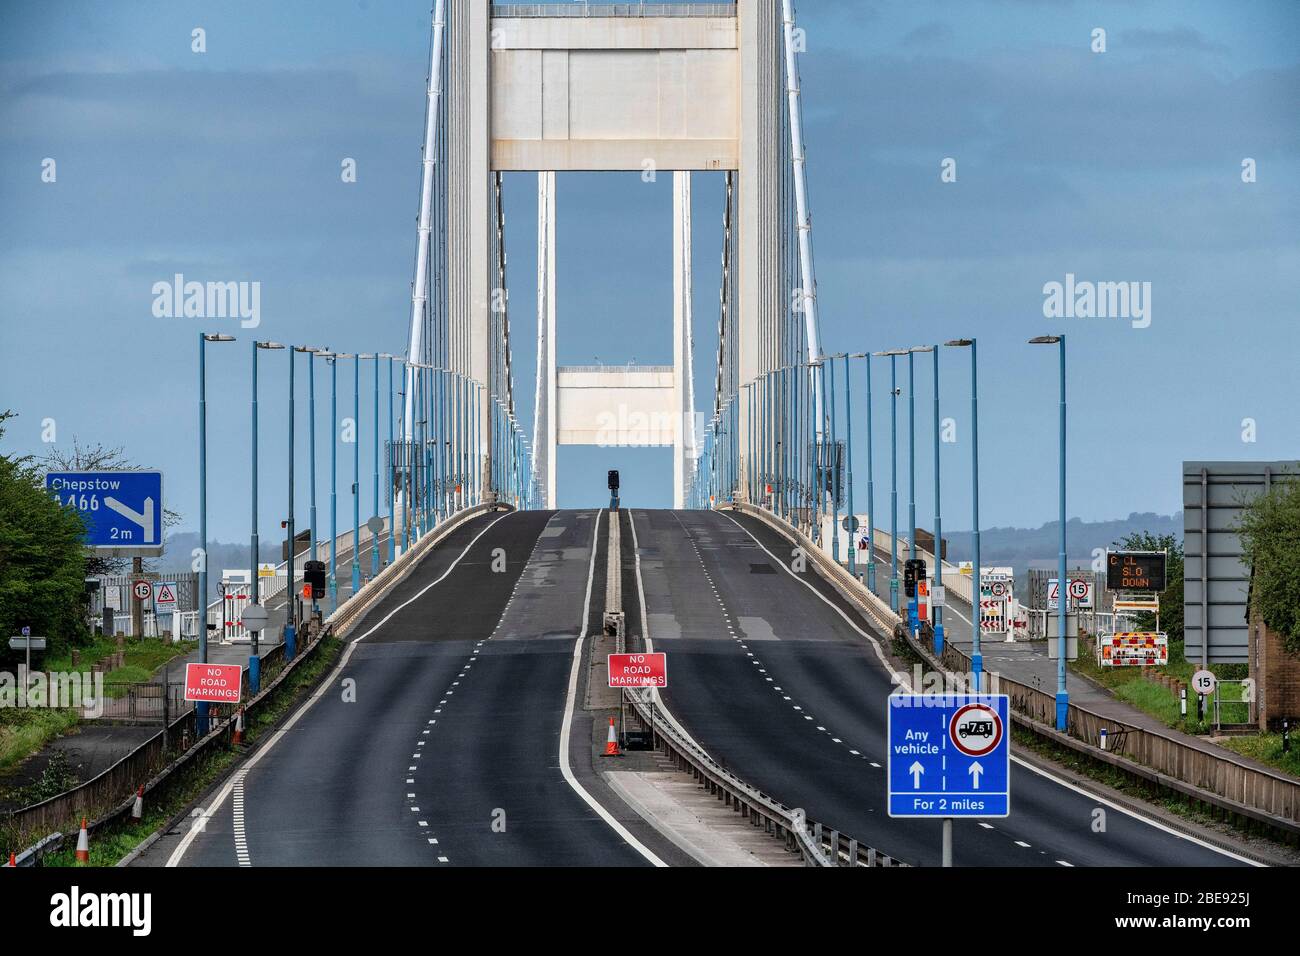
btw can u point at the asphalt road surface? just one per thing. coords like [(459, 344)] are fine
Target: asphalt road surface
[(776, 684), (437, 744)]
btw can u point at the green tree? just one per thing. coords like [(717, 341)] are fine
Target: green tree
[(1171, 598), (1269, 528), (42, 559)]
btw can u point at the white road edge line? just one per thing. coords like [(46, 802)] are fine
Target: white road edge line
[(196, 825), (1038, 770), (565, 769)]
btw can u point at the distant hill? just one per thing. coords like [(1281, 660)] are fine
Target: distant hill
[(1023, 548), (178, 555)]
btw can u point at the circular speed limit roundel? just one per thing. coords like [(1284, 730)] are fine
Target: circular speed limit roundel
[(975, 730), (142, 590), (1078, 588)]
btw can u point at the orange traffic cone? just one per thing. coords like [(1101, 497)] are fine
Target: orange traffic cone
[(83, 844), (137, 808), (611, 743), (238, 737), (13, 860)]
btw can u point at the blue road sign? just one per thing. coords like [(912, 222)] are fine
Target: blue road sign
[(122, 510), (949, 755)]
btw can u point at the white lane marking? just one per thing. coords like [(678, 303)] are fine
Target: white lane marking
[(1038, 770), (1022, 843), (987, 826), (1063, 863), (875, 645), (241, 838), (325, 687), (565, 727)]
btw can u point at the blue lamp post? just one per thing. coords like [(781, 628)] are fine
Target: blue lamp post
[(848, 456), (356, 471), (374, 511), (1062, 696), (893, 355), (311, 446), (201, 708), (871, 487), (913, 607), (334, 476), (254, 662), (976, 659), (938, 520), (392, 515)]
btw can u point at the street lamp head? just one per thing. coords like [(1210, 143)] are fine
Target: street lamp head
[(343, 355), (270, 345), (890, 353), (308, 349), (217, 337), (385, 355), (921, 348), (960, 343), (858, 354), (1045, 340)]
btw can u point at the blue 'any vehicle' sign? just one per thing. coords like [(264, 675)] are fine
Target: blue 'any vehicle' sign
[(949, 755), (122, 510)]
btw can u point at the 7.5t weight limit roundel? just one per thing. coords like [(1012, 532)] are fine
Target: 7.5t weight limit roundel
[(975, 730)]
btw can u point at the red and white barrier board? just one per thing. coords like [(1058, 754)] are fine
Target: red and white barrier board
[(214, 683), (638, 670), (1133, 649)]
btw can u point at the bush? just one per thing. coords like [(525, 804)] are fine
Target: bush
[(1269, 527), (42, 559)]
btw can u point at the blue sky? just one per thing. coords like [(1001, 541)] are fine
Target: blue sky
[(1115, 166)]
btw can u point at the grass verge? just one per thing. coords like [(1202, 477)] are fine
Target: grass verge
[(26, 730), (112, 843)]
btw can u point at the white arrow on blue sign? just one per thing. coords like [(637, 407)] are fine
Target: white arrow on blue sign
[(949, 755), (122, 510)]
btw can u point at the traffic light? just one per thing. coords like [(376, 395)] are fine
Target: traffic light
[(313, 574), (613, 479), (913, 571)]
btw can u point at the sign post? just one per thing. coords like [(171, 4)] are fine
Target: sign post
[(646, 671), (949, 756)]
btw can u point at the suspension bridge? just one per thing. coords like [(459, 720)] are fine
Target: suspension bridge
[(478, 728)]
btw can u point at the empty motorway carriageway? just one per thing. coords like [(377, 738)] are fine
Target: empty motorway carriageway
[(465, 722)]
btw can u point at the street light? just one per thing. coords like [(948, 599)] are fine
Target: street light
[(291, 623), (254, 663), (374, 556), (356, 470), (1062, 696), (938, 520), (312, 352), (977, 659), (893, 355), (333, 359), (392, 515), (201, 708), (871, 485)]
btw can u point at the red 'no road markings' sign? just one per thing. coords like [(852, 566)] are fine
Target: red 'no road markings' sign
[(638, 670), (214, 683)]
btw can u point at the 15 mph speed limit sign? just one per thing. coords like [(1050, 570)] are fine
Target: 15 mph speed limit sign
[(142, 590), (1204, 682)]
